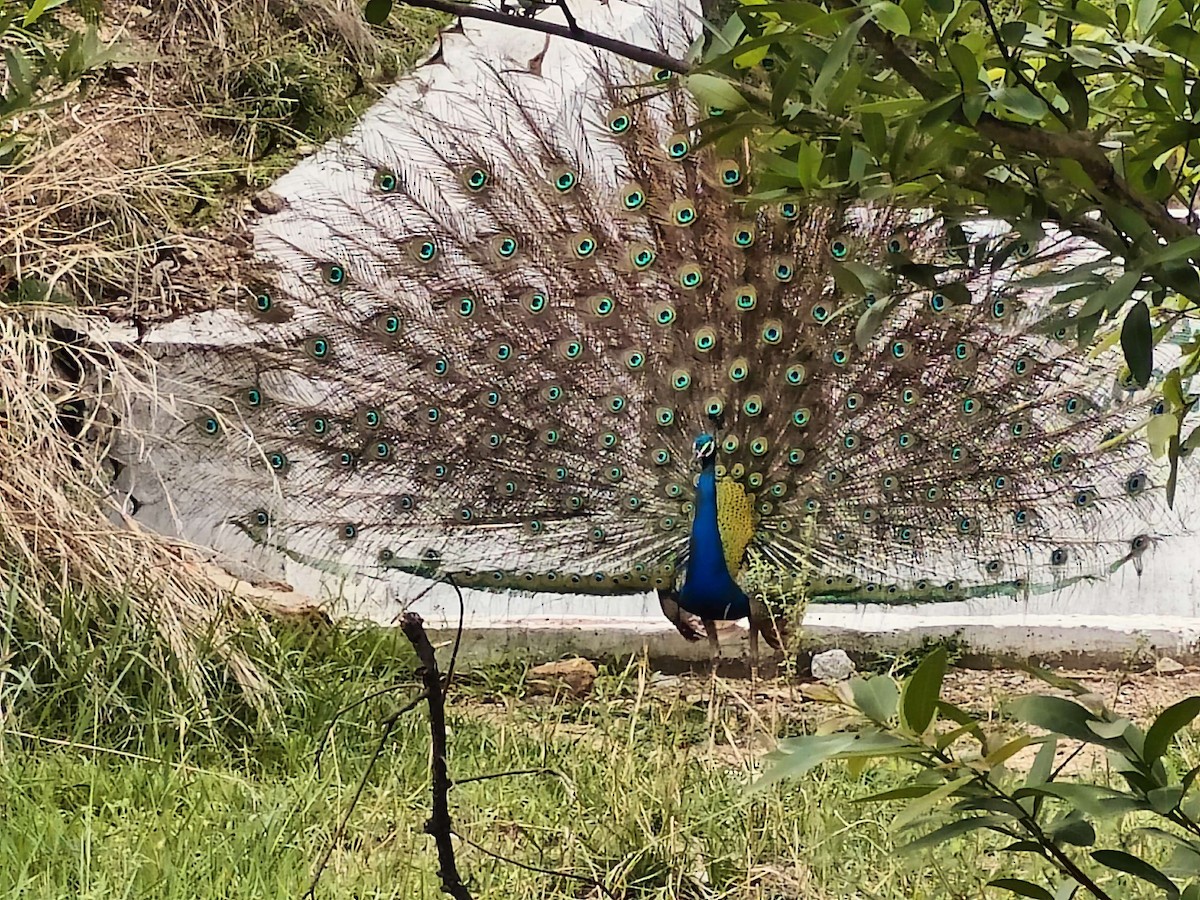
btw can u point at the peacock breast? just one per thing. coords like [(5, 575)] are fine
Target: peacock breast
[(736, 522)]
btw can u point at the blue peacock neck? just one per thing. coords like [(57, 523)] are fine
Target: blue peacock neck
[(709, 591)]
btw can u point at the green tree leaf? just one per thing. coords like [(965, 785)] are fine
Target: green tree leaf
[(809, 157), (1058, 715), (712, 90), (1183, 40), (1021, 888), (1111, 298), (1160, 431), (923, 690), (835, 60), (1087, 13), (923, 805), (1133, 865), (965, 63), (1075, 830), (1138, 343), (1020, 100), (955, 829), (1094, 800), (1188, 247), (1076, 96), (876, 697), (891, 17), (1168, 723), (377, 11), (800, 754), (1164, 799)]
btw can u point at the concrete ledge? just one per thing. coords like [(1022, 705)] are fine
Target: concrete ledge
[(1076, 641)]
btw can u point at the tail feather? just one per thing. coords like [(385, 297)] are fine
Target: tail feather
[(498, 313)]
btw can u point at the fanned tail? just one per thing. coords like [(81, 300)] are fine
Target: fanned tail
[(500, 311)]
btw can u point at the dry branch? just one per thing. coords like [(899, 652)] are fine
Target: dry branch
[(439, 825)]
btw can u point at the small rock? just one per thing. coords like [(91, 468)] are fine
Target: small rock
[(268, 202), (832, 665), (1168, 666), (577, 675)]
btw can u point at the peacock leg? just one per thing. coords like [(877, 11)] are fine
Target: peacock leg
[(714, 644), (753, 653)]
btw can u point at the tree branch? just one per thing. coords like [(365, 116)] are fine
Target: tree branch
[(1034, 141), (581, 35), (591, 882), (1011, 136), (568, 15), (492, 775), (439, 825), (345, 709), (1012, 63)]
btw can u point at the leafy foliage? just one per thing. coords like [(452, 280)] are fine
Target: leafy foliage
[(1076, 115), (962, 783), (42, 61)]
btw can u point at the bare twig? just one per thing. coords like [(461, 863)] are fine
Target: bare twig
[(458, 782), (345, 709), (1058, 770), (439, 825), (569, 16), (462, 614), (399, 687), (1013, 65), (582, 35)]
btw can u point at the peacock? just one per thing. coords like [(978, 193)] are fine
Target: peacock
[(526, 330)]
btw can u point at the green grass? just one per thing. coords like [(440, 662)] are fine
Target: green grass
[(648, 793)]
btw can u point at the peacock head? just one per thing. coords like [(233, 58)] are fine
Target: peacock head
[(705, 447)]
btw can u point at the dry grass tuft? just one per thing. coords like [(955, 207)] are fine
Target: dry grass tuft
[(132, 185), (100, 235), (60, 538), (127, 203)]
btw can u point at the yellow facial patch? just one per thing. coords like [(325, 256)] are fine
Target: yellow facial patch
[(735, 521)]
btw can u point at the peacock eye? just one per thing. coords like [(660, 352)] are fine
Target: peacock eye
[(619, 121), (385, 181), (475, 180)]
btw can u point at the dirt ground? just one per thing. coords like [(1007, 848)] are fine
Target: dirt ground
[(744, 719), (1138, 695)]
